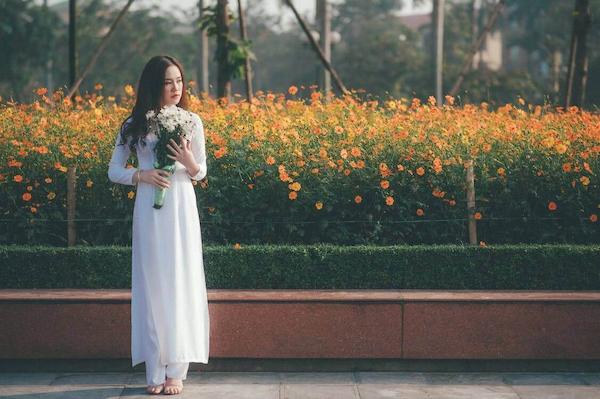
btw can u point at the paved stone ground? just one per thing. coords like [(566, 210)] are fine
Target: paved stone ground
[(309, 385)]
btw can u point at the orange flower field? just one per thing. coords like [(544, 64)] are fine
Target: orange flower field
[(284, 169)]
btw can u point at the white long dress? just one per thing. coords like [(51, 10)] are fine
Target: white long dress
[(168, 286)]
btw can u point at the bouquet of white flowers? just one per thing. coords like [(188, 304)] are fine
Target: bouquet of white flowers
[(171, 122)]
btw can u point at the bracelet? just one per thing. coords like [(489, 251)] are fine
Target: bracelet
[(139, 172)]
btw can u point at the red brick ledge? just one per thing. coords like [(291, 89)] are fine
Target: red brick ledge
[(342, 324)]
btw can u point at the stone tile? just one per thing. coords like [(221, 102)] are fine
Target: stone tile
[(318, 378), (27, 378), (543, 379), (60, 392), (121, 379), (318, 391), (471, 392), (395, 391), (212, 391), (390, 377), (557, 392)]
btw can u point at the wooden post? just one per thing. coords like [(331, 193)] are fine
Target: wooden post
[(71, 205), (471, 203)]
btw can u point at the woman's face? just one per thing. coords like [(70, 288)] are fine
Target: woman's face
[(172, 86)]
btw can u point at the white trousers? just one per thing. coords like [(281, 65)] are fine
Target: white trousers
[(155, 371)]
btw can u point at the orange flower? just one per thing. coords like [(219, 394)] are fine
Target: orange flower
[(48, 180), (270, 160), (18, 178), (295, 186), (33, 209), (358, 199), (15, 164), (384, 184), (26, 197), (89, 183), (584, 180), (389, 200), (237, 246), (420, 212), (355, 151), (41, 91), (566, 167), (131, 194), (438, 193), (501, 171), (593, 218), (129, 90), (477, 215), (561, 148), (319, 205), (344, 153), (293, 90), (293, 195), (437, 165), (420, 171), (552, 205)]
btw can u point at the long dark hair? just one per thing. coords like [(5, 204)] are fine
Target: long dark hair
[(149, 91)]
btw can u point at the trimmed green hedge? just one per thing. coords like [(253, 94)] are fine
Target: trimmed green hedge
[(555, 267)]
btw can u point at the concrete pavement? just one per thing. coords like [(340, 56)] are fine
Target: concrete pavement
[(310, 385)]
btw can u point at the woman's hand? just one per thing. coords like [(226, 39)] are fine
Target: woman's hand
[(156, 177), (182, 152)]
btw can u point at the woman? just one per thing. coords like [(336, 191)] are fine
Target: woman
[(169, 307)]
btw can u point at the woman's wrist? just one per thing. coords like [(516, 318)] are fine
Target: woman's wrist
[(193, 171), (139, 176)]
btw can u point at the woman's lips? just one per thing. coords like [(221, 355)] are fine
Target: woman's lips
[(175, 95)]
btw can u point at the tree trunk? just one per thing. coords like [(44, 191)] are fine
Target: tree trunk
[(247, 66), (476, 46), (578, 59), (72, 43), (99, 50), (437, 21), (223, 75), (318, 50), (324, 22), (202, 71)]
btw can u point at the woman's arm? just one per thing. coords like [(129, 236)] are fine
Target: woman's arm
[(117, 172), (199, 151)]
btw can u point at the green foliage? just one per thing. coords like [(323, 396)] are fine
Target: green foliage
[(519, 267)]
